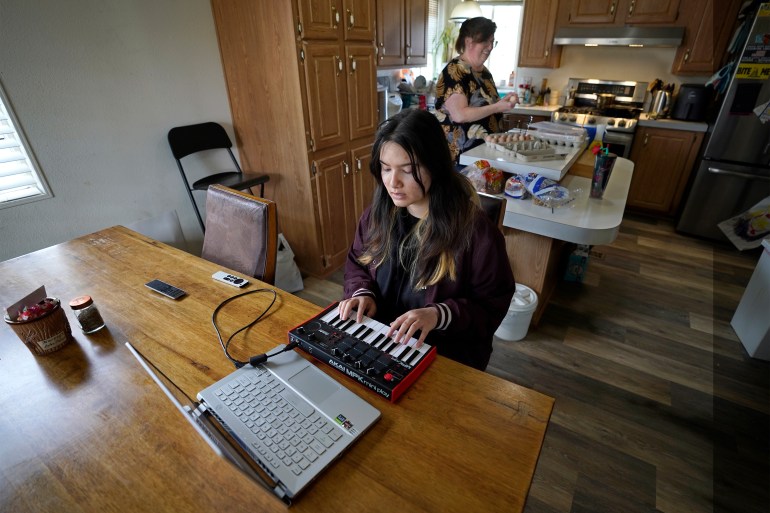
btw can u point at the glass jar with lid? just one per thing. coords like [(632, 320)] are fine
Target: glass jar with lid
[(87, 314)]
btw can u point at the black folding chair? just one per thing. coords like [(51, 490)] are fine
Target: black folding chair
[(189, 139), (494, 208)]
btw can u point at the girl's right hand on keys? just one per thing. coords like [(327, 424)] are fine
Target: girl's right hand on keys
[(363, 305)]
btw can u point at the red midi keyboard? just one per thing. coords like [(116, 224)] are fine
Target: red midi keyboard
[(363, 351)]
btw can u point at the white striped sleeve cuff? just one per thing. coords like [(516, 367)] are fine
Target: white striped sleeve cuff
[(363, 292), (444, 316)]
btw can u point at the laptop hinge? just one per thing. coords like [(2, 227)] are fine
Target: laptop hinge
[(198, 412), (278, 489)]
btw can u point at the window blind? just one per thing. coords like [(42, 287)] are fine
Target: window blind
[(20, 178)]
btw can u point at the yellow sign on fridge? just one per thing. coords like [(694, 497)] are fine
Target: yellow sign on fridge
[(753, 71)]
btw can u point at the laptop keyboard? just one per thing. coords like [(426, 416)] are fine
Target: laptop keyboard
[(289, 432)]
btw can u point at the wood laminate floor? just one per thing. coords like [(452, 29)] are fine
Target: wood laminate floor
[(658, 406)]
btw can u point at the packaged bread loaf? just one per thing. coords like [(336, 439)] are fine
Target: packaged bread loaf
[(493, 177)]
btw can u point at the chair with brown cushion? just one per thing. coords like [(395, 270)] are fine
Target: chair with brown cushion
[(189, 139), (242, 232)]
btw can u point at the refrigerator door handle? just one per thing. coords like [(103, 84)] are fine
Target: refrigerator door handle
[(717, 171)]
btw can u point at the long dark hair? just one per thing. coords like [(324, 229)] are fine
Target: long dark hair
[(452, 201), (479, 29)]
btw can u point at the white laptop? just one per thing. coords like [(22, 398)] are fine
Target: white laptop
[(288, 419)]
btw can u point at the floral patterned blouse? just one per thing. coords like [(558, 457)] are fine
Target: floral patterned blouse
[(479, 88)]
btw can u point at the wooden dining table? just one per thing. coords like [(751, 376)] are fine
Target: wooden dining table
[(86, 429)]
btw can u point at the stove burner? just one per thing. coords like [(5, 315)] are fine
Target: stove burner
[(615, 119), (620, 117)]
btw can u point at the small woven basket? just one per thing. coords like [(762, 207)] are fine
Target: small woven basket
[(45, 334)]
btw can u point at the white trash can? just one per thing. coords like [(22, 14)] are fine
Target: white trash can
[(516, 322)]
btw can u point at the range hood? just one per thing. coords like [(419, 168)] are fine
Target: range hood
[(620, 36)]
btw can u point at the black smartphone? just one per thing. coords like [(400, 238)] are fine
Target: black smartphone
[(166, 289)]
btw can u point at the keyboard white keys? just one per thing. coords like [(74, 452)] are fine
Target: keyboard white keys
[(399, 350), (374, 333), (330, 316), (408, 354)]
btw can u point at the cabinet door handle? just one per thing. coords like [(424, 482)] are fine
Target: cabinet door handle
[(631, 7), (335, 17), (547, 51), (612, 8), (687, 55), (358, 165), (646, 138), (351, 19), (352, 65), (339, 64), (346, 166)]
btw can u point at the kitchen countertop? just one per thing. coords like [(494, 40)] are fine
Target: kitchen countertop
[(553, 169), (534, 110), (673, 124), (588, 220)]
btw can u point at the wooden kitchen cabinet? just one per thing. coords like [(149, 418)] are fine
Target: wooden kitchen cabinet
[(537, 49), (402, 33), (361, 79), (707, 32), (327, 113), (663, 160), (336, 203), (307, 123), (323, 19), (339, 80), (621, 12), (344, 188), (363, 180)]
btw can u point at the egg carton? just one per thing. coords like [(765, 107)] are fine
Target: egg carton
[(537, 155), (508, 138), (558, 135), (533, 150), (519, 146), (560, 140)]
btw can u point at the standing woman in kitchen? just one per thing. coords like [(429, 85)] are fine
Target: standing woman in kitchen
[(468, 105)]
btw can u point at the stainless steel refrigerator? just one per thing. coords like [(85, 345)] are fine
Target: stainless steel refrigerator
[(734, 171)]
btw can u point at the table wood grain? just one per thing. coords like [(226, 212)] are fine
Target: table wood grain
[(86, 429)]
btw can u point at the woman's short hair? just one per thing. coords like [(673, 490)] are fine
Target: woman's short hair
[(478, 29)]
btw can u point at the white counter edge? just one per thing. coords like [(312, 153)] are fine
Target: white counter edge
[(590, 221)]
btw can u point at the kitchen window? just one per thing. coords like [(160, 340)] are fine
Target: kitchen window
[(20, 178), (505, 57)]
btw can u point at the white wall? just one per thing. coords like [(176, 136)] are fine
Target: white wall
[(610, 63), (96, 85)]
